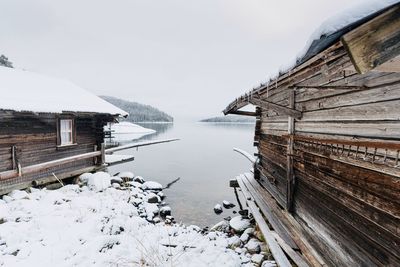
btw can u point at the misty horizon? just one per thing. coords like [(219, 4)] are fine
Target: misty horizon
[(188, 59)]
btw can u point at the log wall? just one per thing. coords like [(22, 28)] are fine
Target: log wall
[(344, 159), (34, 138)]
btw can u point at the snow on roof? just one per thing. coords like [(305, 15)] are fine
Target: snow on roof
[(27, 91), (330, 32), (334, 27)]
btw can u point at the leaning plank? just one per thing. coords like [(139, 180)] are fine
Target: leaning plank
[(4, 189), (271, 217), (300, 262), (115, 159), (278, 108), (244, 113), (246, 154), (308, 251), (276, 250), (49, 164), (138, 144), (374, 42)]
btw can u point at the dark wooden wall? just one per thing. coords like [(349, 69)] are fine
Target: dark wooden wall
[(345, 160), (35, 139)]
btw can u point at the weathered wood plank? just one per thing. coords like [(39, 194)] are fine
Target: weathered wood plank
[(276, 250), (243, 113), (366, 204), (324, 234), (378, 129), (290, 183), (45, 165), (280, 109), (268, 213), (376, 186), (392, 65), (355, 233), (290, 223), (379, 111), (352, 98), (374, 42), (300, 262), (265, 181)]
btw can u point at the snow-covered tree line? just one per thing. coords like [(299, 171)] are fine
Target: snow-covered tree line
[(139, 112), (5, 62)]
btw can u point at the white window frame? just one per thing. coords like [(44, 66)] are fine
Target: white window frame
[(66, 132)]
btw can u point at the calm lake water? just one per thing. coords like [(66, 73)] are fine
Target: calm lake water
[(204, 160)]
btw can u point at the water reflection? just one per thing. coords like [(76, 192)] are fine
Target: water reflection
[(160, 129), (235, 126), (204, 160)]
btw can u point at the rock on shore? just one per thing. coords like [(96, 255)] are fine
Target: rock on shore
[(251, 250)]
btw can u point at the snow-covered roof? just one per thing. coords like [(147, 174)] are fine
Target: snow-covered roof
[(334, 27), (28, 91)]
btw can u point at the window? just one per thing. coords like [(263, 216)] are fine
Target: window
[(66, 132)]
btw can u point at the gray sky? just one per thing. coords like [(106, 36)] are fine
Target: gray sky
[(188, 58)]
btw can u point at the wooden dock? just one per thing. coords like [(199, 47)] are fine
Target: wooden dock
[(279, 235)]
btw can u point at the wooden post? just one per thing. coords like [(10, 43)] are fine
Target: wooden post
[(19, 169), (95, 159), (289, 168), (257, 143), (103, 154), (14, 157), (15, 161)]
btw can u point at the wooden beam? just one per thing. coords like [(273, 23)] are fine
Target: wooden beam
[(111, 160), (290, 223), (233, 183), (14, 157), (45, 165), (53, 163), (392, 65), (276, 250), (374, 42), (300, 262), (390, 145), (290, 179), (338, 87), (138, 144), (246, 154), (244, 113), (235, 105), (278, 108), (258, 195), (103, 153)]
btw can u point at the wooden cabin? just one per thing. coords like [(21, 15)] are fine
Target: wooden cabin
[(49, 129), (327, 175)]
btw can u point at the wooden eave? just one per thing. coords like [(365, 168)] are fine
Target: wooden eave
[(290, 78)]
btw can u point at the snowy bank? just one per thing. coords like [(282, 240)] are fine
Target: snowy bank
[(99, 225), (127, 131)]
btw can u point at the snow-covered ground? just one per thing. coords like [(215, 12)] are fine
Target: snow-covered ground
[(127, 131), (107, 221)]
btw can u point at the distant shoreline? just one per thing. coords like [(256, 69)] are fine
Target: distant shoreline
[(155, 122), (226, 122), (231, 119)]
